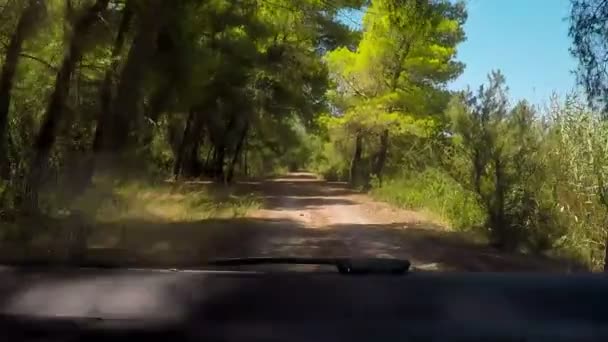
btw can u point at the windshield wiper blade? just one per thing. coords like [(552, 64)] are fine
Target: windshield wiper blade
[(344, 265)]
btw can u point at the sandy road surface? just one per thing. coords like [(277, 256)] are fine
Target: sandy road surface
[(301, 216), (308, 217), (340, 222), (313, 203)]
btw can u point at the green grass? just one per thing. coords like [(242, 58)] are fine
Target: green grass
[(437, 195), (152, 223), (166, 202)]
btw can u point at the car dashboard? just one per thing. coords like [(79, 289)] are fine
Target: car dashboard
[(87, 304)]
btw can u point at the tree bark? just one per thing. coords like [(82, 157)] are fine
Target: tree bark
[(245, 159), (218, 163), (206, 166), (237, 152), (193, 166), (478, 172), (46, 136), (505, 238), (105, 91), (355, 166), (220, 150), (124, 111), (381, 156), (7, 77), (187, 161), (179, 159)]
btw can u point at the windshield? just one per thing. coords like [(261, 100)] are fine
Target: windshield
[(458, 135)]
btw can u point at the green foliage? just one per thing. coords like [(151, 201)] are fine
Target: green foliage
[(393, 85), (539, 179), (435, 192), (504, 167), (588, 32), (152, 223), (217, 90), (577, 159), (165, 202), (329, 162)]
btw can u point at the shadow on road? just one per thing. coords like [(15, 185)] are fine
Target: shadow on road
[(153, 243), (295, 202), (307, 187), (189, 244)]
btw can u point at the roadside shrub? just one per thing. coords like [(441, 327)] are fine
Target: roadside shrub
[(435, 192), (330, 163)]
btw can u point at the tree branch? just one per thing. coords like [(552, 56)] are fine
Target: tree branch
[(353, 87), (39, 60)]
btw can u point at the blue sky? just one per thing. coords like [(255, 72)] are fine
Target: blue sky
[(526, 39)]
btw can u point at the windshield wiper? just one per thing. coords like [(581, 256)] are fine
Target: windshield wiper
[(344, 265)]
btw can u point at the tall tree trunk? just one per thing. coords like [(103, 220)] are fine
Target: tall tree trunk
[(186, 137), (212, 165), (237, 152), (46, 136), (187, 158), (380, 159), (245, 159), (8, 74), (355, 165), (220, 149), (506, 238), (124, 111), (206, 166), (218, 162), (193, 167), (105, 91), (478, 172)]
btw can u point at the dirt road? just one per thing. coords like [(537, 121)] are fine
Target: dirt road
[(305, 216), (327, 219), (301, 216)]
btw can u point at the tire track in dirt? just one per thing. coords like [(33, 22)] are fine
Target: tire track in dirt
[(329, 220), (314, 218)]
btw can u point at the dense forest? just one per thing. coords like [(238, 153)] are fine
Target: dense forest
[(353, 90)]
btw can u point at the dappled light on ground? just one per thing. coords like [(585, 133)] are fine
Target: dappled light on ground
[(300, 216)]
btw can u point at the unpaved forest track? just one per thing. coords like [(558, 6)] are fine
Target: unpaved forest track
[(305, 216), (301, 216)]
